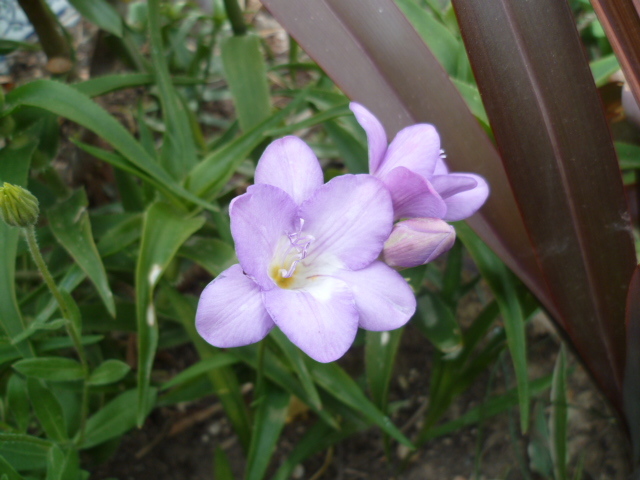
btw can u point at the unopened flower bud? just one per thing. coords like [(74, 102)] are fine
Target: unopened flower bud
[(18, 207), (417, 241)]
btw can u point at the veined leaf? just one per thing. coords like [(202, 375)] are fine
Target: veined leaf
[(48, 410), (164, 231), (575, 211), (52, 369), (69, 222), (24, 452), (379, 357)]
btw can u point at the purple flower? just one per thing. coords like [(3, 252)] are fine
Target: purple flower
[(308, 259), (413, 169), (417, 241)]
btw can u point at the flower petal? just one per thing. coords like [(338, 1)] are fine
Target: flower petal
[(289, 164), (231, 312), (449, 185), (384, 299), (416, 147), (417, 241), (441, 167), (322, 320), (259, 219), (376, 136), (350, 218), (464, 204), (413, 195)]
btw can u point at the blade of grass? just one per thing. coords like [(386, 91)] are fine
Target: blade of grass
[(558, 417), (164, 230)]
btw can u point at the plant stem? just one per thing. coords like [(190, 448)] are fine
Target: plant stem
[(234, 14), (45, 24), (30, 234)]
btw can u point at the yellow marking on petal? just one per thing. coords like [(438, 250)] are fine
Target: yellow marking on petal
[(282, 282)]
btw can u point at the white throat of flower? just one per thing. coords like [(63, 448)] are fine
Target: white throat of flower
[(291, 250)]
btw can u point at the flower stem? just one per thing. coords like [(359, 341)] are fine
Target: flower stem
[(30, 234), (234, 14)]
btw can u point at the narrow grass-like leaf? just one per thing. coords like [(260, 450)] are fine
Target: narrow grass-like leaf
[(17, 402), (296, 359), (201, 368), (221, 466), (438, 322), (69, 222), (52, 369), (352, 151), (101, 13), (246, 74), (179, 148), (603, 68), (115, 418), (558, 417), (48, 410), (24, 452), (213, 172), (379, 359), (576, 212), (67, 102), (269, 421), (14, 167), (388, 67), (339, 384), (109, 371), (224, 380), (488, 409), (632, 369), (120, 236), (164, 231), (503, 285), (212, 254)]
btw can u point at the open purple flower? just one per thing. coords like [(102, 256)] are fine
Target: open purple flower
[(308, 259), (413, 169)]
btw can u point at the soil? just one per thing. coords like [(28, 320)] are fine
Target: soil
[(178, 442)]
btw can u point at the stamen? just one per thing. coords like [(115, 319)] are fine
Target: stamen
[(300, 243)]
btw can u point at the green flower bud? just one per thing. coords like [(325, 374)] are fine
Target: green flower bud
[(18, 207)]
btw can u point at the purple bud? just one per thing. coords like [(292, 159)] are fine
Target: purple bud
[(417, 241)]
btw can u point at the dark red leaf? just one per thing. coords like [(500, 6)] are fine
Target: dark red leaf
[(632, 371), (557, 150)]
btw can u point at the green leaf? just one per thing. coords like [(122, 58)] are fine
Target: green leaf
[(14, 167), (472, 96), (444, 45), (503, 285), (353, 152), (100, 13), (68, 102), (116, 418), (340, 385), (212, 173), (603, 68), (221, 466), (269, 421), (48, 410), (379, 357), (296, 360), (109, 371), (8, 473), (63, 464), (164, 231), (24, 452), (69, 222), (121, 236), (18, 402), (52, 369), (178, 148), (212, 254), (558, 418), (202, 367), (438, 322), (246, 74), (488, 409), (629, 155), (36, 326)]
